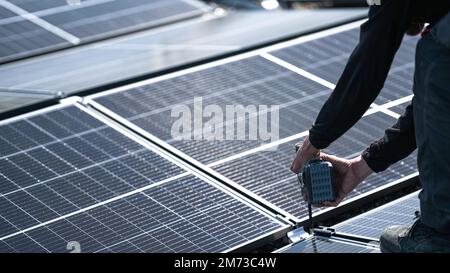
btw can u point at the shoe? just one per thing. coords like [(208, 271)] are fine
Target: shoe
[(413, 239)]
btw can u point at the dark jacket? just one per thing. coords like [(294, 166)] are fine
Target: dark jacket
[(365, 74)]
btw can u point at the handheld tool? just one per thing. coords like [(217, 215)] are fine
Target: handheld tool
[(316, 182)]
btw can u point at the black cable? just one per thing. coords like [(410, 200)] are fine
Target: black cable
[(311, 226)]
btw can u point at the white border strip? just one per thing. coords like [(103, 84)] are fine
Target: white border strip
[(298, 70), (386, 111), (398, 102), (40, 22)]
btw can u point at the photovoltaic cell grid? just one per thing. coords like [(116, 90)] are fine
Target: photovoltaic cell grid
[(254, 81), (327, 57), (318, 245), (371, 224), (90, 20), (257, 81), (66, 176)]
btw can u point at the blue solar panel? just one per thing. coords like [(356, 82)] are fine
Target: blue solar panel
[(179, 216), (67, 176)]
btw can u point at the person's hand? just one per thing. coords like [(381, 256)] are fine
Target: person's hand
[(415, 27), (306, 152), (347, 175)]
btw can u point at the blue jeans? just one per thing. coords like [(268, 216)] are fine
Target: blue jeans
[(431, 106)]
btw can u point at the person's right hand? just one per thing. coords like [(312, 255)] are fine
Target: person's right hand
[(415, 27), (347, 174), (306, 152)]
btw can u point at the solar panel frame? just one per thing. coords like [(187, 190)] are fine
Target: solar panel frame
[(283, 225)]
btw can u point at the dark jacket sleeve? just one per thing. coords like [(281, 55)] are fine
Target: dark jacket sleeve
[(398, 142), (442, 31), (365, 73)]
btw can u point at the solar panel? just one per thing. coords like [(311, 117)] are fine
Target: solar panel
[(33, 27), (254, 80), (111, 17), (68, 176), (179, 216), (325, 57), (5, 13), (24, 38), (328, 56), (315, 244), (372, 223)]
